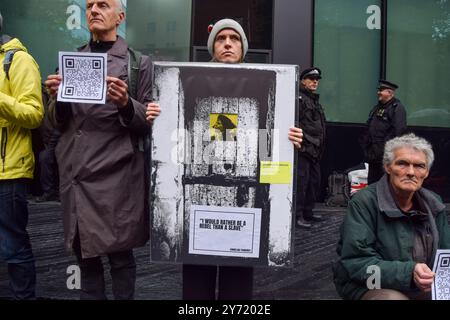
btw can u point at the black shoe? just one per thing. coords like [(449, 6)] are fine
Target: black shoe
[(314, 218), (303, 224)]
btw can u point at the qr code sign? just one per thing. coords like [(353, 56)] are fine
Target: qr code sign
[(84, 77), (441, 285)]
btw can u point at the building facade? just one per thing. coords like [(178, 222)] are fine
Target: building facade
[(354, 42)]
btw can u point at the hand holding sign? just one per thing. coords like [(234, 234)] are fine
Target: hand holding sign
[(117, 91)]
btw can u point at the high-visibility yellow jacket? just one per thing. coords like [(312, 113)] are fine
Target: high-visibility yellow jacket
[(20, 110)]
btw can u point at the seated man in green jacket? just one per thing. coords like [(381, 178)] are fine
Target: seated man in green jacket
[(392, 229)]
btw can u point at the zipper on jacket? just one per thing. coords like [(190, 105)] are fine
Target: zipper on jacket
[(3, 143)]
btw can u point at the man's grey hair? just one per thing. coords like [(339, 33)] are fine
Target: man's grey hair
[(408, 141), (119, 5)]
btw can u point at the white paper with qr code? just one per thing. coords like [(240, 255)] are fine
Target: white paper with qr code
[(83, 77), (225, 231), (441, 283)]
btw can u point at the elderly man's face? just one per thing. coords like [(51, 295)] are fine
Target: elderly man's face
[(103, 17), (228, 46), (408, 170)]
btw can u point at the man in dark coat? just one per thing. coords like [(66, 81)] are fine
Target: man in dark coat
[(101, 163), (386, 121), (312, 121)]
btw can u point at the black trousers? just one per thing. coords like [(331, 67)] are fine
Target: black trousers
[(199, 282), (122, 270), (376, 171), (308, 186), (15, 245)]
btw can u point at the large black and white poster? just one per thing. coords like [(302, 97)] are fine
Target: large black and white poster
[(222, 180)]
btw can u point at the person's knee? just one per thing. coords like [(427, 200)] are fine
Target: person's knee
[(384, 294), (16, 251)]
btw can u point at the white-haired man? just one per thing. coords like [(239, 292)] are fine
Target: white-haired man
[(101, 163), (395, 225)]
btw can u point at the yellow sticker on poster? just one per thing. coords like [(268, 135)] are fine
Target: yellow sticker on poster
[(276, 172)]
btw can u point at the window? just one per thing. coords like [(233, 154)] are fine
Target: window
[(45, 27), (347, 42), (169, 28), (255, 17), (418, 59), (48, 26), (151, 27)]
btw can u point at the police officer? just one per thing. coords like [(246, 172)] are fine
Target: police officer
[(387, 120), (312, 121)]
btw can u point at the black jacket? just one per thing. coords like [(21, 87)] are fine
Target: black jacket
[(312, 121), (385, 122)]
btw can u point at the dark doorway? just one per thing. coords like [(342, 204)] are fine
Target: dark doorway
[(255, 16)]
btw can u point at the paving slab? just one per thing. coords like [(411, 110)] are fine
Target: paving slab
[(310, 278)]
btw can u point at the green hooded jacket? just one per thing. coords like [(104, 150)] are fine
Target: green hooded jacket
[(376, 233)]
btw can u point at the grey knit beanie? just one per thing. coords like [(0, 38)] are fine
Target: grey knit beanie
[(227, 24)]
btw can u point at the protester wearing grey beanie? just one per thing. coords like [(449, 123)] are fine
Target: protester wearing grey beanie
[(227, 43), (227, 24)]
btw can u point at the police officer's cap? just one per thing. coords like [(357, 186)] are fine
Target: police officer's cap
[(312, 73), (384, 84)]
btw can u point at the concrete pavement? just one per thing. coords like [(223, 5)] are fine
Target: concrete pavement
[(309, 279)]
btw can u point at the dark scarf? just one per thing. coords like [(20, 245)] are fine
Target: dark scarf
[(101, 46)]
